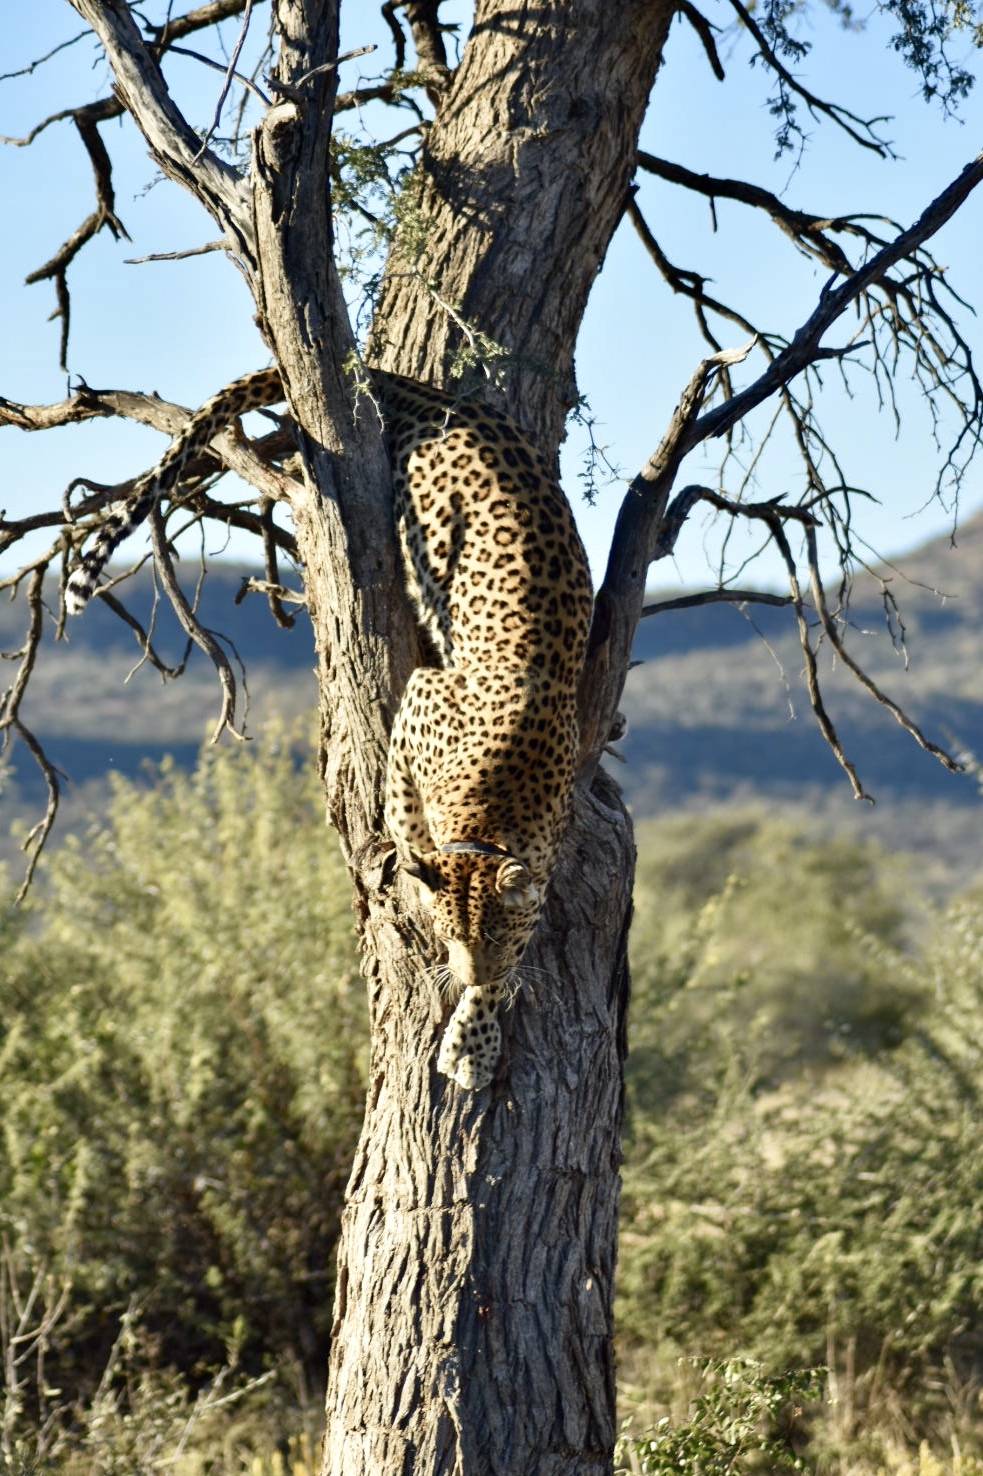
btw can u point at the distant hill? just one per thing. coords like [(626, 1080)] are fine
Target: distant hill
[(712, 717), (718, 712)]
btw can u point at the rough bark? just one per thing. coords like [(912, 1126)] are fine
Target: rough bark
[(473, 1323), (473, 1318), (523, 180)]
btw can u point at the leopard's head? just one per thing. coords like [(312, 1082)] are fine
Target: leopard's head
[(484, 904)]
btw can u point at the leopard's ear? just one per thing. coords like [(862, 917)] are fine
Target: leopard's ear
[(514, 882), (417, 866)]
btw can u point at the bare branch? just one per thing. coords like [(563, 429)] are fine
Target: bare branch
[(40, 61), (11, 721), (823, 718), (205, 16), (229, 75), (861, 130), (261, 586), (869, 685), (833, 302), (704, 29), (271, 568), (175, 255), (712, 596), (141, 88), (103, 215), (638, 532), (807, 231), (428, 40), (36, 837), (193, 628), (143, 636)]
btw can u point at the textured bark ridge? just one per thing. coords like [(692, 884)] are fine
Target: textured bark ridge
[(524, 178), (473, 1320)]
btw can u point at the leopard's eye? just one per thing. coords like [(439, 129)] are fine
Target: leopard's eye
[(416, 866)]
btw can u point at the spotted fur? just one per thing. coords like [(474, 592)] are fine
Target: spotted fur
[(248, 393), (484, 746)]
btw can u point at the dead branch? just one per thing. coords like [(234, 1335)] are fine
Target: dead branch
[(176, 27), (86, 119), (273, 586), (869, 685), (804, 347), (823, 719), (428, 40), (174, 255), (809, 232), (689, 283), (250, 585), (11, 721), (34, 841), (104, 215), (202, 637), (140, 87), (704, 29), (639, 531), (39, 61), (712, 596), (230, 74), (142, 636)]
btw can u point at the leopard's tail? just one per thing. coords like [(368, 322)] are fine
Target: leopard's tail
[(263, 387)]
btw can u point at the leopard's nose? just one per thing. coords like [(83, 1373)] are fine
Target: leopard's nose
[(462, 964)]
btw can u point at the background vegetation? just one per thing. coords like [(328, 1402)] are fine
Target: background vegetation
[(182, 1068)]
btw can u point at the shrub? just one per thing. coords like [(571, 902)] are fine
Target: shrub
[(837, 1214), (182, 1065)]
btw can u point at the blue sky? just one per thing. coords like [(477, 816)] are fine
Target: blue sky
[(185, 328)]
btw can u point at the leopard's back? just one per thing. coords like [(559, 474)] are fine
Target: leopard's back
[(493, 557)]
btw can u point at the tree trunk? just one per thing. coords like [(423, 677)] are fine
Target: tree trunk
[(473, 1322), (524, 178)]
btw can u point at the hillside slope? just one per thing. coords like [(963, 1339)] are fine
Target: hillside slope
[(718, 711)]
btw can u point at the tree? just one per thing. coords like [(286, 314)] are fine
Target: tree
[(473, 1316)]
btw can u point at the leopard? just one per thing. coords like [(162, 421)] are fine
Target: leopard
[(484, 747)]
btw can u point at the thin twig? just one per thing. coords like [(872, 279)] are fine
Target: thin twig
[(202, 637), (174, 255), (823, 718), (143, 637), (829, 626), (36, 837), (861, 130)]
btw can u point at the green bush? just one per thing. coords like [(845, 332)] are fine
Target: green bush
[(751, 928), (738, 1422), (834, 1214), (182, 1065), (183, 1059)]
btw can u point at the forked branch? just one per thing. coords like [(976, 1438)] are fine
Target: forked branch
[(649, 521)]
